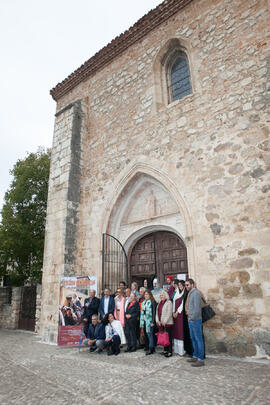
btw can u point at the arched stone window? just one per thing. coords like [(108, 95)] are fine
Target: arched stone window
[(173, 78), (178, 77)]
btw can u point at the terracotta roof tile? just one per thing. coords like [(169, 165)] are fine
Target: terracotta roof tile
[(118, 45)]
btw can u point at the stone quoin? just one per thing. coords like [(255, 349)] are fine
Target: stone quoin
[(138, 157)]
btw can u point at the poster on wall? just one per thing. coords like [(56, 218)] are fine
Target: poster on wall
[(181, 276), (73, 292)]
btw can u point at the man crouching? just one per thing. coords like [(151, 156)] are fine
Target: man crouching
[(96, 335)]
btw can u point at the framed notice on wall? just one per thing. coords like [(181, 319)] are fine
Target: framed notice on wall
[(181, 276), (73, 292)]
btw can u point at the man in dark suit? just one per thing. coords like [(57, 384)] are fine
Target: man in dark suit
[(91, 305), (106, 305), (131, 318)]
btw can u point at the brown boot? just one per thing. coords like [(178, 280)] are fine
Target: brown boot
[(198, 364), (192, 360)]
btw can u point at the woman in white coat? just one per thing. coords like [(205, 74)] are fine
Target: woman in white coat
[(115, 335), (164, 319)]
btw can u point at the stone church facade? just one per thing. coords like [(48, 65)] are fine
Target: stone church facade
[(137, 158)]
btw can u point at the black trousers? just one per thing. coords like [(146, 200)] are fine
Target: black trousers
[(187, 341), (131, 332), (114, 344)]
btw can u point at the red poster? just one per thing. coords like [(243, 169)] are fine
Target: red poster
[(73, 292), (69, 335)]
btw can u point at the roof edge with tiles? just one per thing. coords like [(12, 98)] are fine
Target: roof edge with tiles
[(142, 27)]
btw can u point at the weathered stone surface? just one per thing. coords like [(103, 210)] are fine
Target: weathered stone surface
[(244, 263), (236, 169), (216, 228), (221, 347), (231, 291), (253, 290), (265, 189), (242, 346), (265, 145), (223, 281), (248, 252), (256, 173), (229, 319), (242, 349), (262, 340), (223, 146), (242, 276), (10, 306)]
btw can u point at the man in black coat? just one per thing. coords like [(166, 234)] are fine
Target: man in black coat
[(91, 305), (131, 318)]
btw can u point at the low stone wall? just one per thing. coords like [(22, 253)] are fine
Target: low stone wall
[(10, 305)]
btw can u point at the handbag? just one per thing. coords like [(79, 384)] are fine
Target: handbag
[(163, 339), (207, 313)]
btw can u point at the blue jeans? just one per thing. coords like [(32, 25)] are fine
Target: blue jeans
[(150, 336), (195, 330)]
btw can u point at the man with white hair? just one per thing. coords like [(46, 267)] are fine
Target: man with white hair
[(91, 306), (156, 290)]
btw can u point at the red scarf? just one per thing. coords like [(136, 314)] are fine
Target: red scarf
[(130, 304), (160, 307)]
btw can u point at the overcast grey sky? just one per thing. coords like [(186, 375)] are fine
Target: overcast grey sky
[(42, 42)]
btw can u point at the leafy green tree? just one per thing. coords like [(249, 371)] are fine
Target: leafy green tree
[(22, 228)]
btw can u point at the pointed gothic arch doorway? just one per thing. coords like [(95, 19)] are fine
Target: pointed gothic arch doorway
[(158, 254)]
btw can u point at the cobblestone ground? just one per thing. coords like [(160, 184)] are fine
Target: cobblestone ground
[(37, 374)]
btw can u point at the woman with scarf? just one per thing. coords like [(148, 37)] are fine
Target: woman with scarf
[(147, 320), (187, 341), (164, 320), (178, 326), (141, 295)]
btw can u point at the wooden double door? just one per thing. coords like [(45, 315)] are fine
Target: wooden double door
[(158, 254), (27, 317)]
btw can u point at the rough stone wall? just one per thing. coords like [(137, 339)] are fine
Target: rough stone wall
[(10, 311), (63, 203), (213, 145), (38, 308)]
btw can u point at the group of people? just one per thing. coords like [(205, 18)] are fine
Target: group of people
[(139, 316), (71, 312)]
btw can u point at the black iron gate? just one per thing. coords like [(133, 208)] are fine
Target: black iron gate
[(114, 262), (28, 308)]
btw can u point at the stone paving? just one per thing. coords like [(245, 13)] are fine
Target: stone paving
[(33, 373)]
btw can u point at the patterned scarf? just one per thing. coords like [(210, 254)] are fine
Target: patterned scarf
[(146, 315)]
